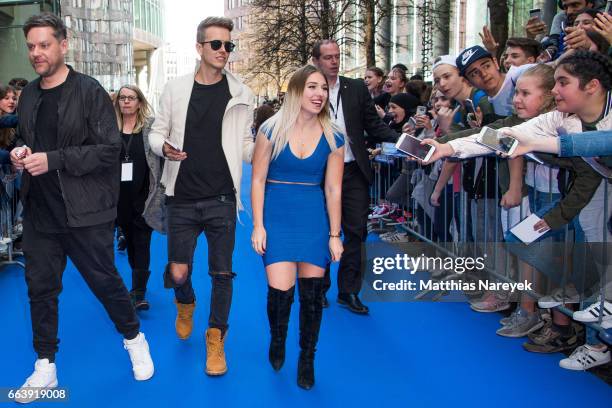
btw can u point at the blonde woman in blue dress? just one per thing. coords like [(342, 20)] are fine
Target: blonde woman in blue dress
[(296, 216)]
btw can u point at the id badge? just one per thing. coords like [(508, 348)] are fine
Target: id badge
[(127, 171)]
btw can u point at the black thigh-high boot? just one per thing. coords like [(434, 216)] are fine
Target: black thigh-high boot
[(279, 309), (311, 311)]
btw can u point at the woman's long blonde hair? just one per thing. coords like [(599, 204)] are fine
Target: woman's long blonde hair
[(144, 111), (283, 121)]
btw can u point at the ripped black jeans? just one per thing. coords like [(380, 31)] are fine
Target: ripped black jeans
[(216, 217)]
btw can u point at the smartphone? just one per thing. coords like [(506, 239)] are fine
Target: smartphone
[(469, 105), (172, 144), (421, 110), (550, 54), (563, 26), (412, 121), (412, 147), (609, 7), (494, 140), (21, 153), (535, 13)]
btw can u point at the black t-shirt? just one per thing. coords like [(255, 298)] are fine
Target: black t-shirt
[(133, 194), (205, 172), (588, 127), (45, 205)]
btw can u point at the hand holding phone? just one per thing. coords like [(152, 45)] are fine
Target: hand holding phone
[(497, 141), (469, 106), (535, 13), (412, 147), (172, 151)]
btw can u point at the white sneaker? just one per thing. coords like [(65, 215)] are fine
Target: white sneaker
[(142, 364), (558, 297), (44, 376), (592, 313), (585, 357), (397, 237)]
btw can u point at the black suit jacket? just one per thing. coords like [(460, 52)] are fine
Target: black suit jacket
[(360, 117)]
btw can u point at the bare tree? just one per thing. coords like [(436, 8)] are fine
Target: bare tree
[(283, 33), (498, 12)]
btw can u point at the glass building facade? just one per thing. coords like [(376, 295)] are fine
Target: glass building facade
[(148, 16), (111, 40), (13, 51)]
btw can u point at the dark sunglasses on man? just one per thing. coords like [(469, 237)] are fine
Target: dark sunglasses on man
[(216, 44)]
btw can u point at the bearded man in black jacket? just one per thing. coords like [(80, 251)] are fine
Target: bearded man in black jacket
[(68, 148)]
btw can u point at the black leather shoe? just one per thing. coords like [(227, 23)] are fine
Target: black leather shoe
[(324, 301), (352, 302)]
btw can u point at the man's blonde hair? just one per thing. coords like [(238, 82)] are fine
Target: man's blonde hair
[(222, 22)]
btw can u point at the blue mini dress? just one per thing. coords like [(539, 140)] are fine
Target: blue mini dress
[(295, 215)]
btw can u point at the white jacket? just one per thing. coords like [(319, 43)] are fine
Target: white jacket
[(545, 125), (592, 217), (236, 138)]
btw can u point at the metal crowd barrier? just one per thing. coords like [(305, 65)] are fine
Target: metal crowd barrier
[(421, 226), (10, 217)]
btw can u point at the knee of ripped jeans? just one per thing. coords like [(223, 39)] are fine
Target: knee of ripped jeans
[(171, 271)]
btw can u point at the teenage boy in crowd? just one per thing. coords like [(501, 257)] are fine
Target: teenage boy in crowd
[(520, 51)]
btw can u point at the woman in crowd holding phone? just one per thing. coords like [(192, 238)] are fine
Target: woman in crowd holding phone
[(296, 224), (140, 174)]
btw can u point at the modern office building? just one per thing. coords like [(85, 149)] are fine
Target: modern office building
[(111, 40), (239, 11)]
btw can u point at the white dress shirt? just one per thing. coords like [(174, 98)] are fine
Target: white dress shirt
[(337, 116)]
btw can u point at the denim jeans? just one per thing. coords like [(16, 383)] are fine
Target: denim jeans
[(216, 217), (587, 144)]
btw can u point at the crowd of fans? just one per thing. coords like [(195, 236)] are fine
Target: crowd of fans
[(546, 84), (9, 194)]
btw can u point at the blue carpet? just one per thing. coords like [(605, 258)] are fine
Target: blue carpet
[(404, 354)]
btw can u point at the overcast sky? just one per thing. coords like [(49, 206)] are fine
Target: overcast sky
[(183, 17)]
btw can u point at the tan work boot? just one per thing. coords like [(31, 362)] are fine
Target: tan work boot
[(215, 353), (184, 319)]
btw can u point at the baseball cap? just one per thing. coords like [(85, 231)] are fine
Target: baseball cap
[(469, 56), (444, 60)]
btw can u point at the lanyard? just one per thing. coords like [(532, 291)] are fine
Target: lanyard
[(337, 108), (127, 145)]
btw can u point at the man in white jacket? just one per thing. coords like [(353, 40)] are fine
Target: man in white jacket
[(202, 129)]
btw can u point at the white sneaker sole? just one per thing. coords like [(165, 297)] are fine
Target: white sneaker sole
[(497, 309), (144, 377), (581, 368), (28, 400), (551, 304), (518, 335)]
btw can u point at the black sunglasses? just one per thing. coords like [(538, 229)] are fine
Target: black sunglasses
[(216, 44)]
